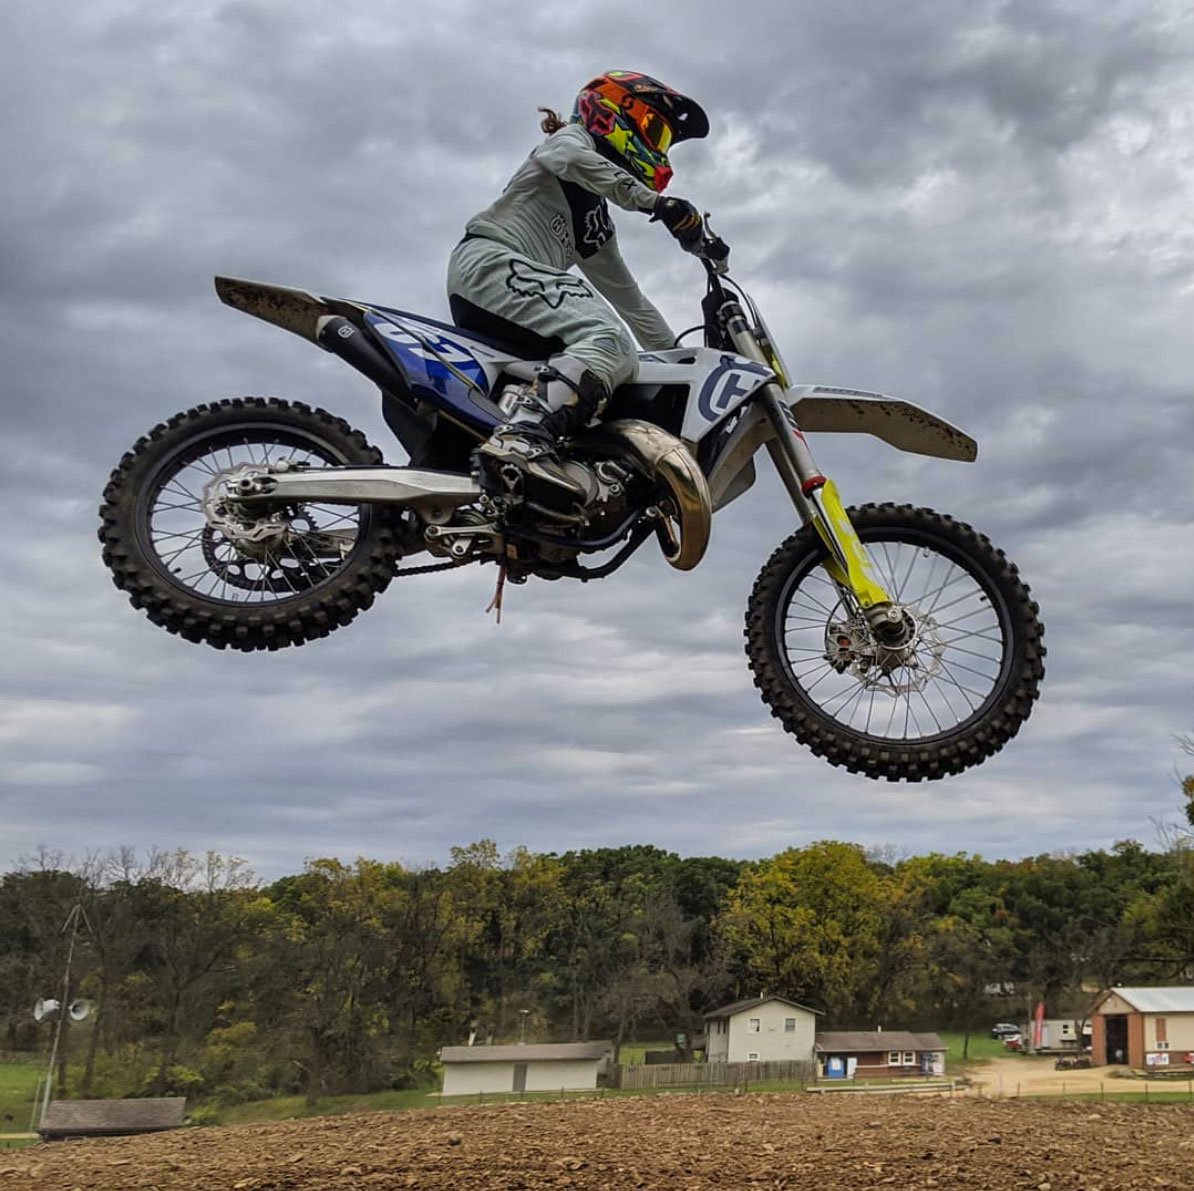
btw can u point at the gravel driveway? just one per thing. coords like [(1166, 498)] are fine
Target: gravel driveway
[(1030, 1076)]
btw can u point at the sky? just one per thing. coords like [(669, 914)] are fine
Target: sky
[(982, 206)]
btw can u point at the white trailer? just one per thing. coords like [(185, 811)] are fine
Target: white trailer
[(1058, 1035)]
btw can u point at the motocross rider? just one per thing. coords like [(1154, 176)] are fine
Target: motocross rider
[(510, 276)]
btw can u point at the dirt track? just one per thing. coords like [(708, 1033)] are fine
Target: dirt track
[(1016, 1075), (684, 1143)]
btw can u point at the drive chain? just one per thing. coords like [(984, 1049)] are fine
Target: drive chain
[(450, 565)]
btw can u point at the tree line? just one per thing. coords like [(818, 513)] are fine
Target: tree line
[(207, 982)]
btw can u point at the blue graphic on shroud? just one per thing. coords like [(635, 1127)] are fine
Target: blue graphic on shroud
[(416, 347)]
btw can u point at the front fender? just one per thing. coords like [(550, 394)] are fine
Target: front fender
[(824, 409)]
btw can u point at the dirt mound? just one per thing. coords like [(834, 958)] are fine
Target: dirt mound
[(832, 1143)]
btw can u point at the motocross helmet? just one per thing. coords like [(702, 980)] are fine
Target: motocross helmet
[(635, 119)]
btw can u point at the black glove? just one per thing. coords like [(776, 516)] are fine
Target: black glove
[(680, 218)]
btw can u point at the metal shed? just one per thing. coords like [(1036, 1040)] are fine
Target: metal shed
[(524, 1067)]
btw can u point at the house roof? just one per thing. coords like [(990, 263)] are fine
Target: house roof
[(523, 1052), (97, 1117), (753, 1003), (867, 1041), (1155, 1000)]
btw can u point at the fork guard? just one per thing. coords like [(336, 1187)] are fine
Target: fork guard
[(667, 462)]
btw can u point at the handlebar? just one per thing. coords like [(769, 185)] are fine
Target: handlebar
[(710, 248)]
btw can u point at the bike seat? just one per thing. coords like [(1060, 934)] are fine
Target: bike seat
[(500, 333)]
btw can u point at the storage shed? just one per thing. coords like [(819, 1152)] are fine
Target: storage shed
[(524, 1067), (1144, 1027)]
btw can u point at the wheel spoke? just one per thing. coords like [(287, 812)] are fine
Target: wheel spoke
[(952, 647), (194, 535), (812, 599), (929, 709)]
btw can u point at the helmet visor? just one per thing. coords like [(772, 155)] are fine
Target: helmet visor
[(657, 132), (654, 129)]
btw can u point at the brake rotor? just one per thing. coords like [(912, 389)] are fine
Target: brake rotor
[(852, 647)]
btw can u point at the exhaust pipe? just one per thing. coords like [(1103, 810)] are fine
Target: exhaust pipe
[(666, 461)]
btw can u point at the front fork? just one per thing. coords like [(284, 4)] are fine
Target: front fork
[(816, 497)]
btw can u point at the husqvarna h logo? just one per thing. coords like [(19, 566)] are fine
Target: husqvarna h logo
[(731, 379)]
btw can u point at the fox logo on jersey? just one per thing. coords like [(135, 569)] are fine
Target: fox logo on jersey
[(551, 286)]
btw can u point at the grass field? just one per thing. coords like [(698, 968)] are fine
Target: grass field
[(982, 1047), (283, 1108), (18, 1082)]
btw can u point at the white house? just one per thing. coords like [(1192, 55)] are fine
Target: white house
[(764, 1029), (523, 1067)]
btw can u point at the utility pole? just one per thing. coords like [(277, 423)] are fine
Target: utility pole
[(72, 921)]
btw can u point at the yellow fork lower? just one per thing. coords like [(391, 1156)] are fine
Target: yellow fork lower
[(849, 564)]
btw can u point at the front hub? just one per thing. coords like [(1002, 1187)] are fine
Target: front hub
[(896, 652)]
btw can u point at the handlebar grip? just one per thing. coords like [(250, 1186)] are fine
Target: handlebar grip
[(716, 249)]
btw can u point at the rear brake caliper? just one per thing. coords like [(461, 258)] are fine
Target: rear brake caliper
[(227, 505)]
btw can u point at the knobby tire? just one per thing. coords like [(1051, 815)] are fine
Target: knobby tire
[(293, 620), (950, 752)]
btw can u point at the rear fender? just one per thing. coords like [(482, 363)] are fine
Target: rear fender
[(294, 310), (340, 328)]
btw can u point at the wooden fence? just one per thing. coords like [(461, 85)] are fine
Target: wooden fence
[(698, 1075)]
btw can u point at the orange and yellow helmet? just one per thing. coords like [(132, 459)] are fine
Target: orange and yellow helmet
[(636, 119)]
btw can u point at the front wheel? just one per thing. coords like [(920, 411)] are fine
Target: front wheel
[(947, 690)]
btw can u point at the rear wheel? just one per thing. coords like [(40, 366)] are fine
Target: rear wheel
[(947, 689), (218, 572)]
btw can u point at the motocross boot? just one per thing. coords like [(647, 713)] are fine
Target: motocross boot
[(521, 456)]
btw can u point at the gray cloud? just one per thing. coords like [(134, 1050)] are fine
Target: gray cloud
[(983, 207)]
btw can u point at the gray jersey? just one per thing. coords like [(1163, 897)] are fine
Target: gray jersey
[(555, 212)]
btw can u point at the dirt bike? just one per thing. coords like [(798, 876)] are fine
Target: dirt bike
[(891, 640)]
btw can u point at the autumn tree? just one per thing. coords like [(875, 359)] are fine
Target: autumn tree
[(807, 925)]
